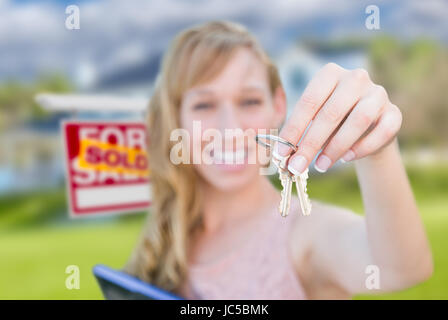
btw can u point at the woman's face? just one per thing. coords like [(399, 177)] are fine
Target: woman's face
[(235, 101)]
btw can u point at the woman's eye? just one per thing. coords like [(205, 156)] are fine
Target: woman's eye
[(251, 102), (203, 106)]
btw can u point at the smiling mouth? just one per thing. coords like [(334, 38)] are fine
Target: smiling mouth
[(229, 157)]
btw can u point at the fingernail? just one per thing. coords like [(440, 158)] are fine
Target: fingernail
[(322, 163), (282, 149), (297, 165), (348, 156)]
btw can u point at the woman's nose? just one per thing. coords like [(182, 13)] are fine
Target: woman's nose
[(230, 125), (228, 117)]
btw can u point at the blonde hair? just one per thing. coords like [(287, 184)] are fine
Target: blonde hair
[(196, 55)]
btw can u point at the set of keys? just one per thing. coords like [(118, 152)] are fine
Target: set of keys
[(286, 177)]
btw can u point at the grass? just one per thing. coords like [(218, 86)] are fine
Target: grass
[(436, 224), (34, 261), (38, 241)]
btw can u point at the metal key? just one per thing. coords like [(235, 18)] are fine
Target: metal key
[(305, 203), (286, 179)]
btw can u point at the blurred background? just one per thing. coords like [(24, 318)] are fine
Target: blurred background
[(117, 50)]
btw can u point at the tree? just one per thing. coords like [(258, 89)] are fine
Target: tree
[(416, 76), (17, 103)]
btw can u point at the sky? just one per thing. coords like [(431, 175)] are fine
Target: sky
[(117, 34)]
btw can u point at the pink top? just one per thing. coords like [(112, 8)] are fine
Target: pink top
[(261, 268)]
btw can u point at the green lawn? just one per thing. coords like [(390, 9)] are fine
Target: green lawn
[(38, 241), (33, 262)]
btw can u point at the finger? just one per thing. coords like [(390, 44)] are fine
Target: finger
[(363, 115), (344, 97), (386, 129), (314, 96)]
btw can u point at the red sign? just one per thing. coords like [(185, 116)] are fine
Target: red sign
[(107, 167)]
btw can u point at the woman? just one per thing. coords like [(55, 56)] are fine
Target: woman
[(214, 231)]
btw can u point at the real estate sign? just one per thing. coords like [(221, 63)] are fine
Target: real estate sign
[(107, 167)]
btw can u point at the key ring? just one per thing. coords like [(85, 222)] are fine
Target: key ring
[(275, 138)]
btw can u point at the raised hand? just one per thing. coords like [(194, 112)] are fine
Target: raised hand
[(351, 118)]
